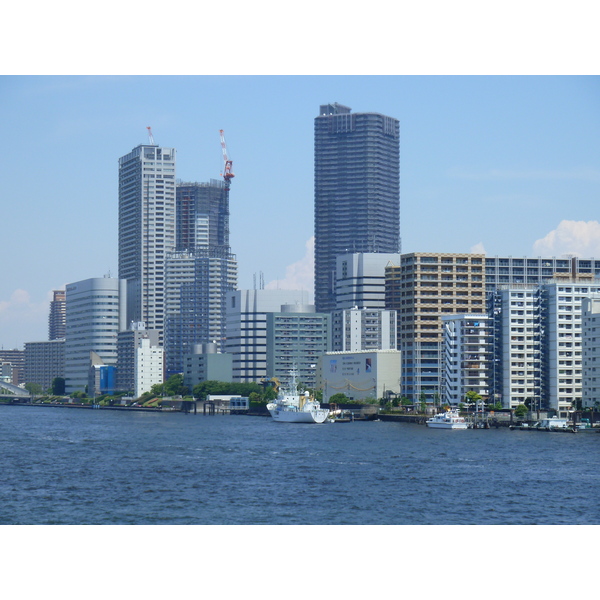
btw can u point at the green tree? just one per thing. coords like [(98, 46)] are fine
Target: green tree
[(58, 386), (339, 398), (521, 410), (472, 397), (269, 394), (34, 389)]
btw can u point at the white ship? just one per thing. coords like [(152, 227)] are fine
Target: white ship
[(447, 420), (291, 407)]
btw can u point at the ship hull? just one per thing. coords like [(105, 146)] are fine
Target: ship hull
[(446, 425), (298, 416)]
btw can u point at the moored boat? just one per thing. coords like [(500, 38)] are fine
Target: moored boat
[(291, 407), (447, 420)]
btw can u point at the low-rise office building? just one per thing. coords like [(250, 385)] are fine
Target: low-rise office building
[(205, 363), (359, 375)]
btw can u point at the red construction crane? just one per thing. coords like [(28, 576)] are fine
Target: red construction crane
[(227, 173), (150, 136)]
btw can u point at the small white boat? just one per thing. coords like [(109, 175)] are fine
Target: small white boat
[(291, 407), (447, 420)]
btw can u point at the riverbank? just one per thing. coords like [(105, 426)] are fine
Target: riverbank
[(86, 406)]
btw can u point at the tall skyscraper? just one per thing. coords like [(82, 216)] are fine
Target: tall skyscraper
[(357, 190), (146, 230), (58, 314), (200, 274)]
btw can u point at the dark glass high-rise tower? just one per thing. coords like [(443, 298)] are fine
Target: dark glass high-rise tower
[(357, 190), (200, 273)]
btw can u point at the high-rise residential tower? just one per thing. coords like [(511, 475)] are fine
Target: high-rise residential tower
[(357, 190), (146, 230), (57, 320)]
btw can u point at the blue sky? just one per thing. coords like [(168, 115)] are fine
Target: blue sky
[(492, 162)]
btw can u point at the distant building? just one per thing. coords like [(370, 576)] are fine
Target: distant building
[(363, 329), (149, 367), (44, 361), (425, 287), (197, 284), (205, 363), (357, 190), (360, 279), (246, 331), (95, 314), (101, 377), (17, 360), (6, 374), (297, 337), (57, 319), (538, 342), (359, 375), (468, 353), (127, 343), (516, 370), (200, 274), (146, 230), (590, 368), (534, 271), (561, 321)]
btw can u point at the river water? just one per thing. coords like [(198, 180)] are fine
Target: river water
[(75, 466)]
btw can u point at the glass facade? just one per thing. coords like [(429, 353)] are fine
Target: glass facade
[(357, 190)]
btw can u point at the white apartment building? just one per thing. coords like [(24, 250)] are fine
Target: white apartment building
[(146, 230), (467, 356), (246, 328), (96, 312), (590, 364), (360, 279), (562, 308), (149, 366), (516, 369), (127, 343), (362, 329)]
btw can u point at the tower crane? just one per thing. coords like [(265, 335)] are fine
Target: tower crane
[(227, 174), (150, 137)]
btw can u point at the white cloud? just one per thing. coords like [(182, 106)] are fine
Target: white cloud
[(477, 249), (580, 238), (22, 319), (299, 275)]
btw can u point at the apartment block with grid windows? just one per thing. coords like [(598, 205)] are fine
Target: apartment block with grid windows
[(423, 288)]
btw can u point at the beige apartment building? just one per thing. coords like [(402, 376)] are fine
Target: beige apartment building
[(425, 287)]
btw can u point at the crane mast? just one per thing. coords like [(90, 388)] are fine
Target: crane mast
[(227, 173), (150, 137)]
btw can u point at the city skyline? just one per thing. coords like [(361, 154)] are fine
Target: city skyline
[(504, 165)]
